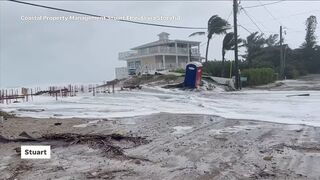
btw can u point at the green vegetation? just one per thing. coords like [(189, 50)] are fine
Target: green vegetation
[(169, 77), (6, 115), (214, 68), (259, 76), (216, 25), (262, 56), (265, 53), (181, 70), (227, 45), (267, 158)]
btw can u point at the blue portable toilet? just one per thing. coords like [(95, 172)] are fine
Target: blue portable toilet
[(193, 75)]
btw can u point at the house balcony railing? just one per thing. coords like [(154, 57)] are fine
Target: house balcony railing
[(159, 50)]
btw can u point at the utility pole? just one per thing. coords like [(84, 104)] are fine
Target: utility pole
[(284, 61), (235, 29), (281, 55)]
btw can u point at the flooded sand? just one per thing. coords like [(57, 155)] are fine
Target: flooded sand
[(180, 146)]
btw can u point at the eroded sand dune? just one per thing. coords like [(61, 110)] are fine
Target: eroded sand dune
[(181, 146)]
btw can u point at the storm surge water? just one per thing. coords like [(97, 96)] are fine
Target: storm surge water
[(272, 106)]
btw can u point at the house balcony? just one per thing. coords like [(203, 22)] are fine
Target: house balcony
[(159, 50)]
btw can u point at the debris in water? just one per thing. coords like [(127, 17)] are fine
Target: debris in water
[(112, 144), (298, 95), (57, 124)]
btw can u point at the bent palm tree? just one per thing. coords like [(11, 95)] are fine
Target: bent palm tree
[(216, 25), (228, 44), (254, 43)]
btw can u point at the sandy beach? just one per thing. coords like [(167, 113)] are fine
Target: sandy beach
[(179, 146), (156, 133), (160, 90)]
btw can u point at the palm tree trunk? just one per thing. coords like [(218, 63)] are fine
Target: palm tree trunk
[(222, 71), (207, 49)]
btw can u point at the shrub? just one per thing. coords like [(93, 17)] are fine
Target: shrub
[(6, 115), (291, 72), (169, 77), (214, 68), (259, 76), (181, 70)]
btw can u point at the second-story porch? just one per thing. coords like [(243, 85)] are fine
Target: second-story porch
[(174, 49), (163, 54)]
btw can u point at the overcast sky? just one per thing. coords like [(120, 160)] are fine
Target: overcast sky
[(51, 52)]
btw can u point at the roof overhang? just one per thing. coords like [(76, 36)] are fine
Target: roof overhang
[(159, 42)]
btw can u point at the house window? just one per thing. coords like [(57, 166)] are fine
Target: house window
[(137, 64), (131, 65)]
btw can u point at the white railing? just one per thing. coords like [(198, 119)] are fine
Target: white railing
[(162, 50), (127, 54)]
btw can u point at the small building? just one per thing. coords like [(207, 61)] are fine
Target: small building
[(121, 72), (193, 75), (163, 54)]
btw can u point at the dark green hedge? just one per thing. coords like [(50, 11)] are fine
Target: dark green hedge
[(259, 76)]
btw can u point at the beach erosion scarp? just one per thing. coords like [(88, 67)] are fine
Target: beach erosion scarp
[(178, 146), (190, 134)]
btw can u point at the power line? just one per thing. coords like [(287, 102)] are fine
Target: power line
[(269, 12), (277, 19), (289, 16), (301, 13), (286, 27), (98, 16), (263, 4), (245, 28), (251, 20)]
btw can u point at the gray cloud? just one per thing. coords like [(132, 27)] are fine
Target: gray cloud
[(38, 52)]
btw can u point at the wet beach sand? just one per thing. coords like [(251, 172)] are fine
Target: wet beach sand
[(175, 146)]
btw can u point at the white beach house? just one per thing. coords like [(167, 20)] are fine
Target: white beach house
[(163, 54)]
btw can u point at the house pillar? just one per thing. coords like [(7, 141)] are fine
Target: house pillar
[(177, 61), (188, 45), (164, 61)]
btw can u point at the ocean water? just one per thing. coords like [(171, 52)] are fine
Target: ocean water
[(272, 106)]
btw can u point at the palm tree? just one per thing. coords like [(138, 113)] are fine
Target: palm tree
[(254, 43), (272, 40), (216, 25), (227, 45)]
